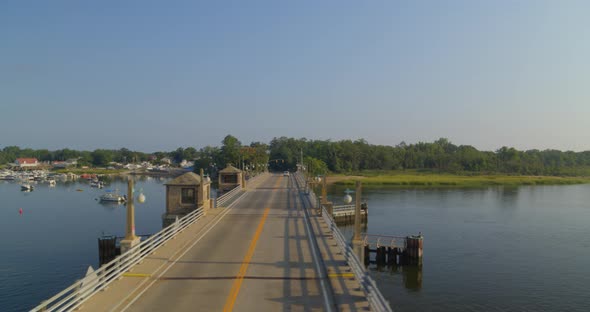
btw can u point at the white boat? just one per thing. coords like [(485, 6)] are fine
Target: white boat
[(8, 177), (113, 197), (51, 182), (96, 183), (27, 187)]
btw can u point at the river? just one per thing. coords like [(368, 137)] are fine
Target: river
[(493, 249), (53, 242)]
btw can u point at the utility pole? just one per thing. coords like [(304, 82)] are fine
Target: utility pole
[(301, 162)]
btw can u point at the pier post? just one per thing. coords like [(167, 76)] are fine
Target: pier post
[(130, 239), (357, 213), (414, 248), (330, 209)]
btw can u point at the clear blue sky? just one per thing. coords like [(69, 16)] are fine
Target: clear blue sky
[(159, 75)]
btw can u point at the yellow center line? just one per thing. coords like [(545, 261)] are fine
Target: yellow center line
[(341, 275), (235, 290), (278, 183), (233, 295), (136, 274)]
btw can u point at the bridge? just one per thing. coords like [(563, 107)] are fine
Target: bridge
[(268, 249)]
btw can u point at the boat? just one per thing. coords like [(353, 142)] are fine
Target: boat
[(113, 198), (51, 182), (96, 183), (27, 187)]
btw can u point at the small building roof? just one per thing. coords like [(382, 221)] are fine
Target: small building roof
[(189, 178), (26, 160), (230, 169)]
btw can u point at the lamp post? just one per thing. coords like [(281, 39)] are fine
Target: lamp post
[(130, 239), (357, 213)]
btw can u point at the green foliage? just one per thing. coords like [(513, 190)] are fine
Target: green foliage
[(315, 166), (345, 156), (101, 157), (230, 151), (417, 179)]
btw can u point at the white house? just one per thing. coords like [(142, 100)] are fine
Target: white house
[(185, 163), (26, 162)]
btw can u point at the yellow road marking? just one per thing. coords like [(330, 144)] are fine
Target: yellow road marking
[(136, 274), (233, 295), (279, 181), (341, 275)]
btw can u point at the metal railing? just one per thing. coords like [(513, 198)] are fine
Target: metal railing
[(344, 208), (384, 241), (368, 285), (255, 180), (225, 198), (73, 296)]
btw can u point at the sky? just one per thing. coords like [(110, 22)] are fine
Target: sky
[(157, 75)]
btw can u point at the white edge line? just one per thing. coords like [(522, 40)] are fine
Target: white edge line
[(314, 253)]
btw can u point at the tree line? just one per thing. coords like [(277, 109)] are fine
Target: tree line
[(344, 156), (211, 158), (348, 156)]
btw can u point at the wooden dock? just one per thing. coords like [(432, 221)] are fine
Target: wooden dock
[(393, 250), (344, 214)]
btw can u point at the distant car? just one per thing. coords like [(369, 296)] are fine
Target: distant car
[(286, 173)]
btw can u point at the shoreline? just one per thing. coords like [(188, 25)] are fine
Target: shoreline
[(451, 181)]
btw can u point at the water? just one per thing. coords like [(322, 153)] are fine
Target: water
[(55, 240), (495, 249)]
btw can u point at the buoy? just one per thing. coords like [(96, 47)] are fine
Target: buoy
[(20, 211), (347, 199), (141, 198)]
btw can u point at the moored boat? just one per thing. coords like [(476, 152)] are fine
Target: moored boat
[(113, 198), (26, 187), (96, 183)]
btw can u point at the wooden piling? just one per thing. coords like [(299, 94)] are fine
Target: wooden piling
[(107, 249), (390, 256), (379, 257), (414, 247)]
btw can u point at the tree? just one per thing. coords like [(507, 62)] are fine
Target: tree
[(316, 166), (230, 150), (101, 157)]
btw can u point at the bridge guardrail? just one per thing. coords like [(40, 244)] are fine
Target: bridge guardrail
[(223, 199), (73, 296), (374, 295), (255, 179)]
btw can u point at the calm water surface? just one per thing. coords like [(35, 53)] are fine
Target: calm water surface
[(496, 249), (55, 240)]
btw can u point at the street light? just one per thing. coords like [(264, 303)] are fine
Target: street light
[(131, 239)]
